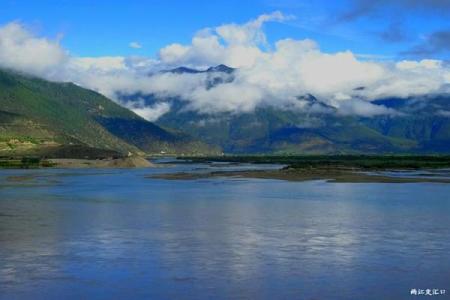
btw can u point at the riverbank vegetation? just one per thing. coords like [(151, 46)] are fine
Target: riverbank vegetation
[(363, 162)]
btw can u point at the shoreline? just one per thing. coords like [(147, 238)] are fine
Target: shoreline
[(77, 163), (126, 162), (299, 175)]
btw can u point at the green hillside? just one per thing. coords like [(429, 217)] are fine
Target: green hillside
[(421, 126), (36, 115), (270, 130)]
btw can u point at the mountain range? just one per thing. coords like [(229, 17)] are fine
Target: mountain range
[(420, 124), (63, 119)]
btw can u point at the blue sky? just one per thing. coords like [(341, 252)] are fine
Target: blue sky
[(388, 29)]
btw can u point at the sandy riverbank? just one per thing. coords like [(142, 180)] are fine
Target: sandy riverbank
[(332, 175), (127, 162)]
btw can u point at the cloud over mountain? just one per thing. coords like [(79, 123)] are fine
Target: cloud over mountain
[(22, 51), (267, 74)]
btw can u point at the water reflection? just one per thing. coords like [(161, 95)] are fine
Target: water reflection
[(117, 234)]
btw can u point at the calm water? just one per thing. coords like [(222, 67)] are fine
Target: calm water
[(115, 234)]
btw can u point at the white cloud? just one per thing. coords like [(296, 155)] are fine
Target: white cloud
[(150, 113), (231, 44), (249, 34), (360, 107), (22, 51), (172, 53), (266, 75), (230, 97), (104, 64), (416, 65), (411, 78), (135, 45)]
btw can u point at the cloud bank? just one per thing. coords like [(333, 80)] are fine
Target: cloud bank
[(267, 74)]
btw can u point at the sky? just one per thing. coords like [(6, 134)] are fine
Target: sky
[(281, 49), (106, 28)]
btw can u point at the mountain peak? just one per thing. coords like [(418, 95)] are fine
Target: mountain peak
[(183, 70), (308, 97), (221, 68), (186, 70)]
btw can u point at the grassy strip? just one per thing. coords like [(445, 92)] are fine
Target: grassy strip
[(24, 163), (366, 162)]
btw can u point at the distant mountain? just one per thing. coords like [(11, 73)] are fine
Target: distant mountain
[(425, 120), (271, 130), (183, 70), (38, 115), (422, 125), (221, 68), (63, 119), (218, 68)]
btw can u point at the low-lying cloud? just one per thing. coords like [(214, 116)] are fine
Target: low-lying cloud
[(148, 112), (275, 75)]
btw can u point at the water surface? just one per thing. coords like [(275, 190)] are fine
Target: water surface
[(116, 234)]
